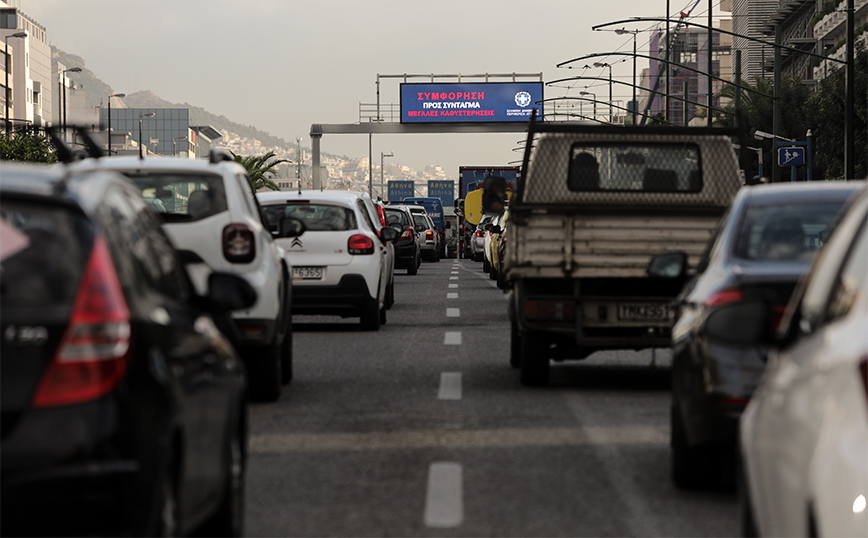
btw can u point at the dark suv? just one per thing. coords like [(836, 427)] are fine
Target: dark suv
[(123, 405), (408, 252)]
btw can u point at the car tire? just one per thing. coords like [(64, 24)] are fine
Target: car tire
[(492, 274), (414, 267), (286, 347), (747, 522), (501, 281), (228, 520), (264, 373), (436, 254), (486, 267), (165, 518), (383, 315), (370, 318), (514, 346), (390, 294), (534, 361), (690, 465)]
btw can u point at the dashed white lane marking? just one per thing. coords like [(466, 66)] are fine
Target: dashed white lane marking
[(453, 278), (451, 295), (453, 286), (444, 500), (452, 338), (453, 312), (454, 272), (450, 386)]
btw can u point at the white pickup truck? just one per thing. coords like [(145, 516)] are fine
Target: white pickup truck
[(596, 203)]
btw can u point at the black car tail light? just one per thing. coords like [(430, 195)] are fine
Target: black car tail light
[(94, 351), (732, 295), (239, 243), (360, 244), (408, 233)]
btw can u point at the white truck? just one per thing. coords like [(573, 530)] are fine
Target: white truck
[(596, 204)]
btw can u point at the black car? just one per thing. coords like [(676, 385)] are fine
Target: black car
[(123, 405), (408, 254), (760, 250)]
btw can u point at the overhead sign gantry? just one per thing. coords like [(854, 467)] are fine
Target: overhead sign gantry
[(486, 103)]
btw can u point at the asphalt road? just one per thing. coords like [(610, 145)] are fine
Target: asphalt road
[(423, 429)]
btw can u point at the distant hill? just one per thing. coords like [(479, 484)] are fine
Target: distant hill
[(96, 91)]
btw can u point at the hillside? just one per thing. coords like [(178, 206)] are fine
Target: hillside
[(96, 91)]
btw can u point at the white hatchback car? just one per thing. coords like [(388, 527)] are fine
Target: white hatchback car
[(804, 435), (210, 213), (340, 264)]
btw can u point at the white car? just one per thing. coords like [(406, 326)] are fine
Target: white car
[(804, 435), (211, 215), (340, 264)]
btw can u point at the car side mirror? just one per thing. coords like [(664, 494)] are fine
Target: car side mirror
[(494, 195), (389, 235), (290, 227), (229, 292), (668, 265)]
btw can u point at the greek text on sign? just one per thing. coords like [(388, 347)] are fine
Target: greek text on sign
[(469, 102)]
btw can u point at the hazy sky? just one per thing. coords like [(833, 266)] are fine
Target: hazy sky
[(282, 65)]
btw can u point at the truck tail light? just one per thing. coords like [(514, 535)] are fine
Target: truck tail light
[(239, 243), (360, 244), (93, 353), (549, 310)]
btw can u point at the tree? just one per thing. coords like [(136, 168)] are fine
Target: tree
[(260, 169), (26, 145)]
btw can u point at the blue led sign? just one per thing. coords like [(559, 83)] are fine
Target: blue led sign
[(497, 102)]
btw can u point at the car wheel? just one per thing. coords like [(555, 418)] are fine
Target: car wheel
[(165, 518), (264, 373), (534, 360), (286, 349), (436, 254), (390, 294), (689, 465), (501, 281), (746, 517), (370, 318), (414, 268), (383, 315), (492, 274), (228, 520), (514, 346)]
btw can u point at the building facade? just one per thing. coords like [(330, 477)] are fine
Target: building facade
[(29, 94), (166, 133)]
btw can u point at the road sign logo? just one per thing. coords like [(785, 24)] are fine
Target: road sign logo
[(791, 156), (522, 99)]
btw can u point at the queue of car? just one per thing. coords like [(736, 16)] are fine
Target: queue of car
[(145, 302), (770, 356)]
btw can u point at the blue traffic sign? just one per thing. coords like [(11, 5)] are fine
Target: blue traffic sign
[(791, 156), (443, 189), (400, 189)]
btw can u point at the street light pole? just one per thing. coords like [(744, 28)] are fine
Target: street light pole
[(604, 64), (147, 115), (109, 124), (622, 31), (595, 101), (173, 143), (65, 107), (8, 96), (382, 155)]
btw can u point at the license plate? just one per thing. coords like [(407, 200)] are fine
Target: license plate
[(307, 273), (643, 311)]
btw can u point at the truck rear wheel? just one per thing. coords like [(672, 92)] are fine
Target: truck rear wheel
[(534, 360), (514, 346)]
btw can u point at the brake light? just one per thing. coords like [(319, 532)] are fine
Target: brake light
[(94, 351), (239, 243), (724, 297), (478, 234), (382, 215), (408, 233), (550, 310), (429, 235), (360, 244)]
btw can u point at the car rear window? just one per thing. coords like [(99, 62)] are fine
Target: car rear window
[(396, 216), (784, 232), (182, 197), (45, 250), (316, 217), (419, 222), (659, 167)]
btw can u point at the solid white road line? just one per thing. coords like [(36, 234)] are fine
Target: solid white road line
[(452, 338), (450, 386), (444, 500), (453, 312)]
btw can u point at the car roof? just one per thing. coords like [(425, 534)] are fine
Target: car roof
[(816, 191), (58, 183), (175, 164), (347, 197)]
